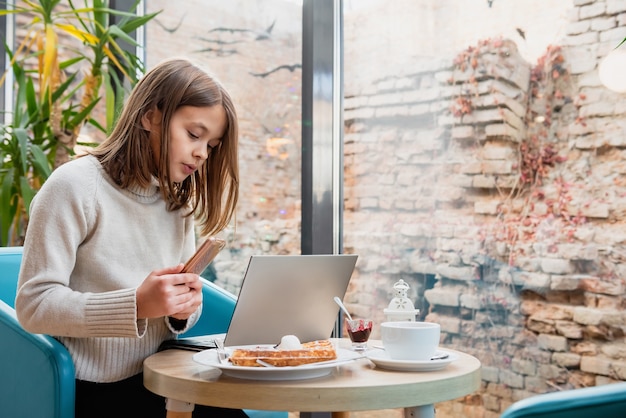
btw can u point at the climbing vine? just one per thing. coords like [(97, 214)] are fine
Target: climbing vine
[(526, 207)]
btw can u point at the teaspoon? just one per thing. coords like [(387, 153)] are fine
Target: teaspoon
[(343, 308)]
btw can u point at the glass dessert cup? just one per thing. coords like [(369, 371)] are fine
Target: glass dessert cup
[(359, 331)]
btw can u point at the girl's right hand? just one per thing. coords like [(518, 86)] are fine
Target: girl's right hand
[(168, 292)]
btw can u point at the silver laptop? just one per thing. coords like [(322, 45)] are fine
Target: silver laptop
[(289, 295), (282, 295)]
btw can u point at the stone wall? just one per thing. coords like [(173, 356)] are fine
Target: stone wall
[(495, 188)]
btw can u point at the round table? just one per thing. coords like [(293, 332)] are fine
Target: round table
[(355, 386)]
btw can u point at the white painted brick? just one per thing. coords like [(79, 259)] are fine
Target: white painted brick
[(463, 132), (498, 151), (447, 297), (556, 266), (596, 8), (421, 95), (603, 23), (615, 6), (601, 211), (614, 36), (368, 203), (597, 109), (503, 131), (385, 99), (582, 60), (361, 113), (456, 273), (497, 167), (582, 39), (576, 28), (539, 282), (489, 207), (483, 182)]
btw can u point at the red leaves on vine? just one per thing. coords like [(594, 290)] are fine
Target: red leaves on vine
[(535, 160), (461, 106)]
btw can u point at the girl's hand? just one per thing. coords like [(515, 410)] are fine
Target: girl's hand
[(168, 292)]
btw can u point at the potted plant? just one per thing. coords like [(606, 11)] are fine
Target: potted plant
[(55, 94)]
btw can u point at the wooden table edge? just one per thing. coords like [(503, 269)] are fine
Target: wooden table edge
[(320, 399)]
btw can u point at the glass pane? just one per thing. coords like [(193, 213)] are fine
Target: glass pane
[(254, 49), (484, 167)]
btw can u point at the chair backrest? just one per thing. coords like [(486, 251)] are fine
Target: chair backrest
[(606, 401), (37, 378), (10, 259), (217, 310)]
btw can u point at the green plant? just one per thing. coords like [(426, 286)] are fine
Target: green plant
[(55, 95)]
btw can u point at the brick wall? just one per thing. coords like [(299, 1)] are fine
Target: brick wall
[(486, 172), (494, 186)]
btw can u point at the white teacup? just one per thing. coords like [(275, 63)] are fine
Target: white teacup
[(404, 340)]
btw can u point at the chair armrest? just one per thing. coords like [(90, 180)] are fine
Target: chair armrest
[(605, 401), (218, 306), (10, 259), (37, 378)]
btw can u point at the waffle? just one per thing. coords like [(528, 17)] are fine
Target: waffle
[(311, 352)]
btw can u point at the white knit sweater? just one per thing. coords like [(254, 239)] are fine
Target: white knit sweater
[(88, 246)]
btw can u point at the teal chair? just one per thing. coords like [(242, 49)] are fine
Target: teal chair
[(36, 371), (37, 378), (606, 401)]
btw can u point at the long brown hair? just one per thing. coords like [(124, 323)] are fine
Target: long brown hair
[(126, 155)]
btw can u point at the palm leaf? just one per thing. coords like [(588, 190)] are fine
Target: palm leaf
[(27, 193), (22, 141), (49, 57), (7, 196), (81, 35), (40, 162)]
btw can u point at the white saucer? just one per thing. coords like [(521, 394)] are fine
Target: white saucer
[(381, 359)]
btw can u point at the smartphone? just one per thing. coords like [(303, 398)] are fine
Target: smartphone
[(204, 255)]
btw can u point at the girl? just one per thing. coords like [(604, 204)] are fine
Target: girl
[(109, 231)]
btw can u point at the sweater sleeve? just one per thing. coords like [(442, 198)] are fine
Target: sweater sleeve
[(61, 217)]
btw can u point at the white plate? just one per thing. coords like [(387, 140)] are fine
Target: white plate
[(381, 359), (306, 371)]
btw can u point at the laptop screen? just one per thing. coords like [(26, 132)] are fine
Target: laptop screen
[(289, 295)]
